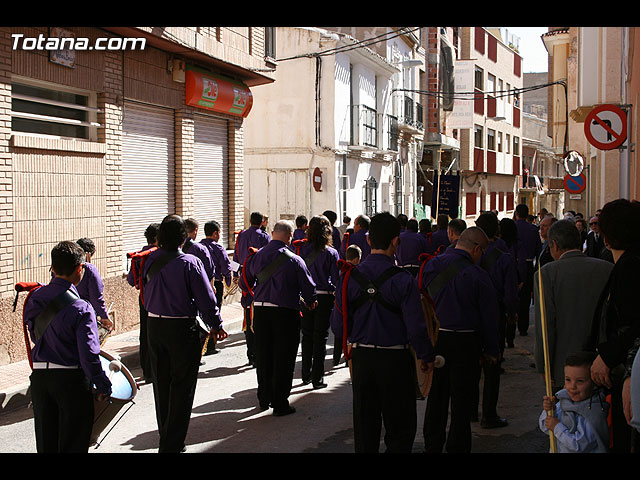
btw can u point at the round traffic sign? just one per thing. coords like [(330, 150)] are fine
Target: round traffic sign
[(575, 183), (606, 127), (573, 163), (317, 180)]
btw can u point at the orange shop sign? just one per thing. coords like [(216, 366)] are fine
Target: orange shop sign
[(218, 94)]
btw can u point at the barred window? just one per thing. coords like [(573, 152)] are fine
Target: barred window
[(50, 111)]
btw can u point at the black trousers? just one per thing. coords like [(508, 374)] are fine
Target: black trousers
[(491, 387), (315, 331), (384, 392), (277, 336), (62, 410), (524, 300), (453, 383), (490, 390), (144, 341), (337, 349), (174, 354), (249, 336), (219, 286)]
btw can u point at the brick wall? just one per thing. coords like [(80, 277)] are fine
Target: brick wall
[(55, 189), (184, 162), (236, 179), (6, 195)]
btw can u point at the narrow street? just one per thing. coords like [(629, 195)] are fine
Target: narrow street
[(226, 419)]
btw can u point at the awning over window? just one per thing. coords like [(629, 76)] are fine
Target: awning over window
[(217, 93)]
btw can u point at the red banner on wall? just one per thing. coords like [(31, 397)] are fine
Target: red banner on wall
[(217, 94)]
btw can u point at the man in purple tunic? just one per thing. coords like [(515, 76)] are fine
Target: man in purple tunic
[(301, 228), (411, 246), (252, 237), (358, 237), (440, 238), (466, 306), (221, 267), (276, 279), (384, 316), (65, 357), (219, 256), (150, 233), (91, 286), (197, 249), (177, 290), (501, 266), (529, 248)]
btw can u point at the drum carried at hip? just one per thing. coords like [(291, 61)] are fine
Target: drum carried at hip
[(425, 379), (123, 390)]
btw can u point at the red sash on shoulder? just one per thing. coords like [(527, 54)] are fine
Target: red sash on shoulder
[(345, 268), (29, 287), (137, 265), (298, 244)]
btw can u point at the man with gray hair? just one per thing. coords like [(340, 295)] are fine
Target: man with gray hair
[(466, 305), (571, 286), (275, 278), (545, 254)]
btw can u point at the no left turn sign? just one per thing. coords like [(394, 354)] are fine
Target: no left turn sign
[(606, 127)]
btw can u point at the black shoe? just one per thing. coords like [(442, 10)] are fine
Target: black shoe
[(523, 334), (494, 422), (318, 386), (211, 351), (264, 407), (284, 411)]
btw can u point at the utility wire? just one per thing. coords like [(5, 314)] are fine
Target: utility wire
[(358, 44), (477, 95)]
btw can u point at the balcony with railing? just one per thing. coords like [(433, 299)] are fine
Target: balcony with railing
[(411, 116), (393, 133), (374, 130), (552, 183), (364, 126)]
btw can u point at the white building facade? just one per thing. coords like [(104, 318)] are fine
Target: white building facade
[(334, 131)]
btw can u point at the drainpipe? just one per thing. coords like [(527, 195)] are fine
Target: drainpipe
[(624, 149)]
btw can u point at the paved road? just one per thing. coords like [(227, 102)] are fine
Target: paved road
[(225, 417)]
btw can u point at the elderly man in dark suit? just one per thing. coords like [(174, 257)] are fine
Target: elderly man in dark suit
[(595, 241), (571, 286)]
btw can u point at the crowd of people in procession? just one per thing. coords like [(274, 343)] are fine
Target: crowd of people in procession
[(401, 297)]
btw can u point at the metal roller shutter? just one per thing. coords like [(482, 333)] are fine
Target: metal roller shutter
[(148, 170), (210, 173)]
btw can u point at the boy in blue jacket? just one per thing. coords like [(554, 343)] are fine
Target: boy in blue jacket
[(579, 422)]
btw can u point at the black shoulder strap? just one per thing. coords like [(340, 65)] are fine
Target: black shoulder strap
[(160, 262), (491, 258), (187, 245), (47, 314), (309, 259), (446, 275), (267, 272), (370, 289)]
